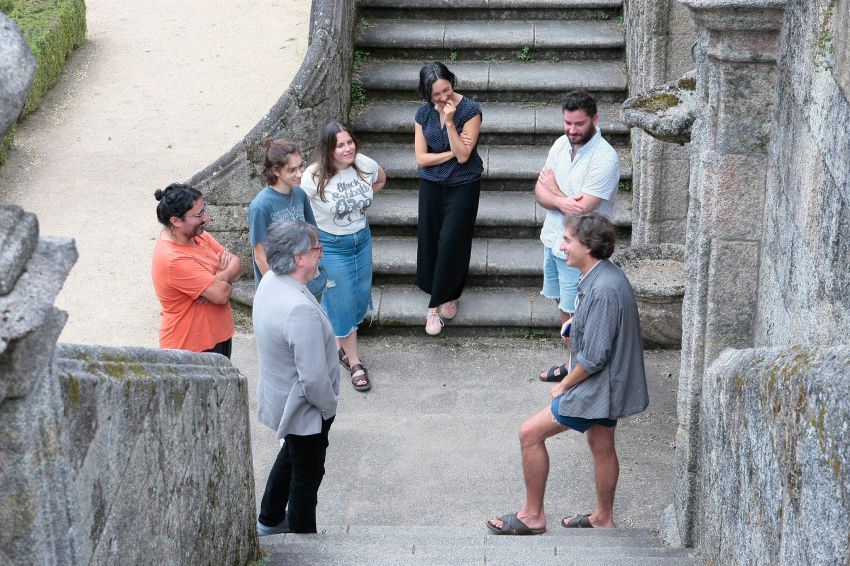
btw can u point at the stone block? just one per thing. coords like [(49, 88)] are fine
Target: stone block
[(27, 307), (35, 508), (746, 94), (159, 446), (18, 239), (679, 59), (773, 459), (226, 218), (17, 70), (734, 200), (841, 40), (732, 294)]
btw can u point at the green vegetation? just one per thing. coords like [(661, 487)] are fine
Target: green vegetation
[(52, 28), (453, 56), (689, 83), (625, 185), (603, 15), (658, 103), (525, 54), (358, 93)]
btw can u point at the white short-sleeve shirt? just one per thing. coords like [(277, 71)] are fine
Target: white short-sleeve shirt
[(347, 196), (595, 171)]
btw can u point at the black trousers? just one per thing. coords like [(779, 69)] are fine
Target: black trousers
[(446, 222), (294, 481), (223, 348)]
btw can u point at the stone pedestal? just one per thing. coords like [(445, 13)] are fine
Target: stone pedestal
[(736, 89)]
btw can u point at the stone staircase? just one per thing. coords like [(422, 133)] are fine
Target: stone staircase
[(516, 58), (460, 546)]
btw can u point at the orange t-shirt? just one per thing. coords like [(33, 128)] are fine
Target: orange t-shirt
[(180, 274)]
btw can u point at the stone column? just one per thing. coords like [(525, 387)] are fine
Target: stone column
[(737, 76), (35, 510), (658, 41)]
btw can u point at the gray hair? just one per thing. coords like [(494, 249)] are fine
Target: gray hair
[(287, 239)]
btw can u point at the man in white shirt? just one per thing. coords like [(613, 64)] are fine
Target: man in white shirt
[(581, 174)]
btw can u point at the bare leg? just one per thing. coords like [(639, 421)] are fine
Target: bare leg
[(535, 466), (606, 471), (349, 345)]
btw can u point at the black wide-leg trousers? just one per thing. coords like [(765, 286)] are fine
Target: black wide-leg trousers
[(294, 480), (446, 222)]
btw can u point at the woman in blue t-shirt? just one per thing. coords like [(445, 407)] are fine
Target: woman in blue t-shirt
[(447, 128)]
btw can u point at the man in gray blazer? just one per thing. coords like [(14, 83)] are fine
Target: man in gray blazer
[(606, 380), (299, 377)]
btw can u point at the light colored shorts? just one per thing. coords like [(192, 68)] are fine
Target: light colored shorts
[(560, 281)]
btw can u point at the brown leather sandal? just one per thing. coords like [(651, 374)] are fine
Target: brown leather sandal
[(355, 379)]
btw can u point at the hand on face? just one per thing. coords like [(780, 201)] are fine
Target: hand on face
[(449, 110)]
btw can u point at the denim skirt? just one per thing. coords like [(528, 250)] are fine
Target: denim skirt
[(347, 260)]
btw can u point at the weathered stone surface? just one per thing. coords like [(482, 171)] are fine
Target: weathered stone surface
[(656, 30), (775, 456), (35, 508), (656, 273), (736, 70), (666, 112), (159, 455), (17, 69), (25, 309), (18, 239), (804, 284)]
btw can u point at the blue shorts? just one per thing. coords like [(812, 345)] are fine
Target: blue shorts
[(578, 423), (560, 281), (347, 297)]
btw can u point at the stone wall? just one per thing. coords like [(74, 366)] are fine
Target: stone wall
[(804, 283), (775, 458), (159, 451), (319, 93), (111, 456), (36, 525), (659, 36)]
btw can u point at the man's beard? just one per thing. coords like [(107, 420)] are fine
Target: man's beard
[(584, 139)]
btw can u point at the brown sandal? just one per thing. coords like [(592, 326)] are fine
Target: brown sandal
[(343, 359), (360, 378)]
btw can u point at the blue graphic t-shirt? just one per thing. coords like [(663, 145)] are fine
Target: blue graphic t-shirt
[(270, 205), (347, 196)]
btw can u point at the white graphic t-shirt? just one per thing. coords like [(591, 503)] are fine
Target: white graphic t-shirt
[(347, 196)]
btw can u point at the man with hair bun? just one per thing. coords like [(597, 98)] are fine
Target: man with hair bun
[(605, 380), (193, 275)]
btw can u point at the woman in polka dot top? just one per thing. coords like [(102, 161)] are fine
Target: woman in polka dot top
[(447, 128)]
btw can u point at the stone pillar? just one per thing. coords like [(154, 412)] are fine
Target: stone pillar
[(35, 510), (736, 83), (658, 40)]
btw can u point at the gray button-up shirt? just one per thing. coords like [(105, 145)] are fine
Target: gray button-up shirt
[(606, 341)]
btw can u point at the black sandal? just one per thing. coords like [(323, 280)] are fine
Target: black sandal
[(356, 379), (343, 359)]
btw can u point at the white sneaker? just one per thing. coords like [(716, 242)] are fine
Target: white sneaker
[(433, 323)]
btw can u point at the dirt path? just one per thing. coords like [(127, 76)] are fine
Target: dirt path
[(159, 90)]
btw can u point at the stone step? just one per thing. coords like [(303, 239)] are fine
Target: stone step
[(492, 9), (494, 261), (470, 545), (518, 164), (496, 209), (504, 123), (500, 80), (491, 40)]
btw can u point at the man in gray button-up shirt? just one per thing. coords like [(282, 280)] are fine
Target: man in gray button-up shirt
[(606, 380), (298, 384)]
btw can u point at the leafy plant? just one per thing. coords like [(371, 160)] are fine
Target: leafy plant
[(525, 54), (603, 15), (358, 93), (453, 56)]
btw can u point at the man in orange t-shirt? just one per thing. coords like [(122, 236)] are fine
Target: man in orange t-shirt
[(193, 275)]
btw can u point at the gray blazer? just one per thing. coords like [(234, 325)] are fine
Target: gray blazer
[(606, 341), (298, 363)]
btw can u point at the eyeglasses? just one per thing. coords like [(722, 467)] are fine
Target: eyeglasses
[(311, 248), (200, 214)]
